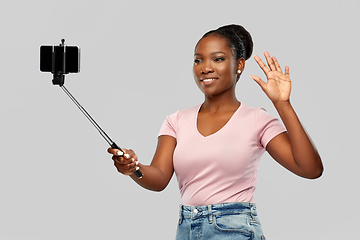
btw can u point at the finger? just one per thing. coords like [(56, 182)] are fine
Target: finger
[(287, 71), (120, 169), (116, 152), (115, 158), (130, 154), (126, 169), (270, 61), (125, 164), (122, 160), (277, 65), (135, 167), (261, 64), (131, 167)]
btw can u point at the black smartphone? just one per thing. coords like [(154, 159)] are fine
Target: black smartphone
[(60, 59)]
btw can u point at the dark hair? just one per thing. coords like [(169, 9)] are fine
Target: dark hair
[(238, 38)]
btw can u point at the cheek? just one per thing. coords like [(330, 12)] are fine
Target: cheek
[(196, 72), (229, 70), (224, 70)]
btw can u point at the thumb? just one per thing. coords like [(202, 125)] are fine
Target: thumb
[(259, 81), (116, 152)]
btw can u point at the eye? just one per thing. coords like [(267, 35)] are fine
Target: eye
[(196, 61), (219, 59)]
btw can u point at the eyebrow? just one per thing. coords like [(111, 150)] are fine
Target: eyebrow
[(213, 53)]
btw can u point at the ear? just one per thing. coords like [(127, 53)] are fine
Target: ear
[(240, 65)]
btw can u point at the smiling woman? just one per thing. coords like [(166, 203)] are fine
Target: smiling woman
[(215, 147), (215, 68)]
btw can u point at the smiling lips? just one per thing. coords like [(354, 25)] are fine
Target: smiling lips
[(208, 80)]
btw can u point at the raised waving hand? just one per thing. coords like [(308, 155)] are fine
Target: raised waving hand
[(278, 84)]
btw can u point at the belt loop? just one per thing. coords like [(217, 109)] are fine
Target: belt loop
[(180, 214), (253, 210), (210, 214)]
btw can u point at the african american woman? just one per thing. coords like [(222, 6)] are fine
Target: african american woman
[(214, 148)]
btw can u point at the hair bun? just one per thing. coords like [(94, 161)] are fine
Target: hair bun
[(244, 35)]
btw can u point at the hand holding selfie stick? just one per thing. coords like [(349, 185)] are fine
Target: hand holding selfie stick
[(55, 59)]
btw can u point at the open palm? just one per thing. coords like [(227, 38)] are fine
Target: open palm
[(278, 85)]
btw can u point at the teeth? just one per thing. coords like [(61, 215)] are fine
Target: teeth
[(209, 80)]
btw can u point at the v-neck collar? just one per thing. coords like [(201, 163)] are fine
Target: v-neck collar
[(227, 123)]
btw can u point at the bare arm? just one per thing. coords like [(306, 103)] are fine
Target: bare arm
[(294, 150), (157, 175)]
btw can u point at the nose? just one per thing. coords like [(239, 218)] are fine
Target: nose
[(207, 67)]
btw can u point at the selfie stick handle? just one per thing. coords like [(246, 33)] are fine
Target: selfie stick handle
[(102, 132)]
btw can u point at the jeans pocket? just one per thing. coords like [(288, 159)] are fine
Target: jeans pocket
[(233, 223)]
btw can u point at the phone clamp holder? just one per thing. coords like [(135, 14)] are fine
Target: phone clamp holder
[(61, 60), (58, 74)]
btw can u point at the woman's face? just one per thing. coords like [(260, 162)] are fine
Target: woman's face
[(215, 68)]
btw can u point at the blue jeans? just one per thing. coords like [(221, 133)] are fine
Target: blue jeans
[(219, 221)]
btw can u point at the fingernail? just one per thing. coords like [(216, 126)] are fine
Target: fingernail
[(136, 163), (120, 153), (137, 168), (132, 159), (126, 155)]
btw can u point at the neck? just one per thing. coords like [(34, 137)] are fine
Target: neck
[(215, 104)]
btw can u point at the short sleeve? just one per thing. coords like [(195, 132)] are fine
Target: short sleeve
[(169, 126), (268, 126)]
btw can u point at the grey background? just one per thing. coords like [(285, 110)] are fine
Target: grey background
[(57, 180)]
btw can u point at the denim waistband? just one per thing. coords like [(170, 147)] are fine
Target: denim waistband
[(217, 209)]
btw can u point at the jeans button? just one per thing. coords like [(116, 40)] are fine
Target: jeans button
[(195, 211)]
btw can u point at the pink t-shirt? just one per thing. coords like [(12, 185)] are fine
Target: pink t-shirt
[(221, 167)]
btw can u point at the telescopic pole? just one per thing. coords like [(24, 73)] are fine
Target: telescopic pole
[(102, 132)]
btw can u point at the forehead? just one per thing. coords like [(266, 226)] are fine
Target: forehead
[(212, 43)]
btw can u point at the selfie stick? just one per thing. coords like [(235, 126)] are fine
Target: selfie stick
[(102, 132), (59, 79)]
